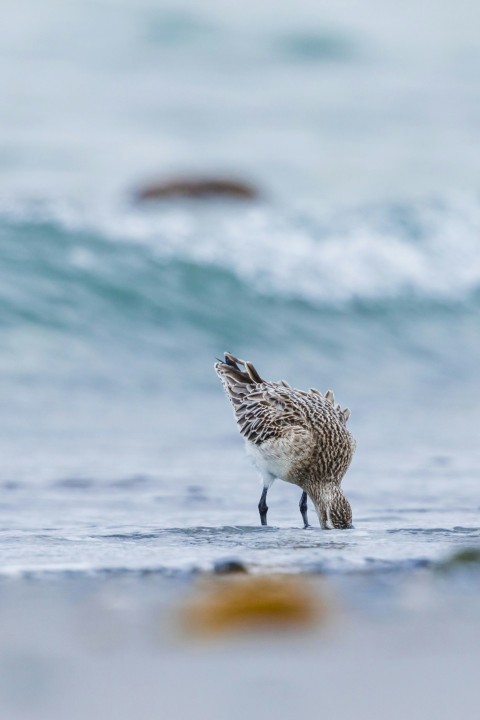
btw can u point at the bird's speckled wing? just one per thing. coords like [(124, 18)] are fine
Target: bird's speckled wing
[(266, 410)]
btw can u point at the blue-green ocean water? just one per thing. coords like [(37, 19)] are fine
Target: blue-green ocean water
[(358, 269)]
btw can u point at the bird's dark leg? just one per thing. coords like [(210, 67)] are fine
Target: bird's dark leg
[(303, 509), (263, 507)]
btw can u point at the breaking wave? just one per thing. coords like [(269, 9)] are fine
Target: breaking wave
[(56, 255)]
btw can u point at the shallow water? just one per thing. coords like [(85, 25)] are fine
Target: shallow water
[(173, 526), (358, 269)]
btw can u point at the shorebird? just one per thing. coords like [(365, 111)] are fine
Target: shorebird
[(296, 436)]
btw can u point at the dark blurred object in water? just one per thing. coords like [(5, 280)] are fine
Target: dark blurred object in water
[(196, 187), (229, 567), (467, 557)]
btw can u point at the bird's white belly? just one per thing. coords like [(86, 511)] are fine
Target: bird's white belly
[(272, 458)]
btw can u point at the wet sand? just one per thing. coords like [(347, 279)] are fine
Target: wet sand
[(384, 646)]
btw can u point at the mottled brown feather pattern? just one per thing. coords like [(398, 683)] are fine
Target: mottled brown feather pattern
[(300, 436)]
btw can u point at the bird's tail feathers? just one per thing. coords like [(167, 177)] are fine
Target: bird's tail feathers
[(229, 370)]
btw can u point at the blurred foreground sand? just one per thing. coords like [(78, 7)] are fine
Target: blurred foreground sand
[(118, 647)]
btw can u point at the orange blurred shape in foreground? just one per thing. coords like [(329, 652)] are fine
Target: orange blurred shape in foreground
[(275, 602)]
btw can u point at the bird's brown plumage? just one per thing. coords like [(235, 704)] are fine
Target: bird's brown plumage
[(298, 436)]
